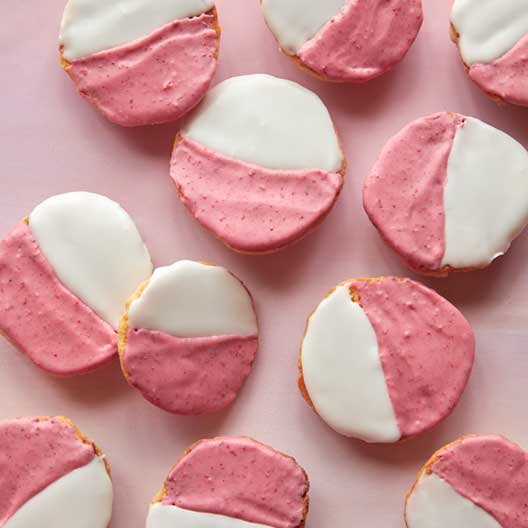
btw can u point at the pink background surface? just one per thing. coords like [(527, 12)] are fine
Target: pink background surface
[(51, 141)]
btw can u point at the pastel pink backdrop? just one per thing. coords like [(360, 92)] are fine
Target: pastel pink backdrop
[(51, 142)]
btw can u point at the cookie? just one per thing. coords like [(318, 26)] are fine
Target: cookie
[(140, 62), (475, 482), (384, 359), (232, 483), (189, 337), (52, 476), (492, 37), (258, 163), (449, 193), (66, 273), (344, 40)]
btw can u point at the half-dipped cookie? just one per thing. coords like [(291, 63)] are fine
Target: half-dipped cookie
[(259, 163), (344, 40), (492, 37), (189, 337), (474, 482), (449, 193), (52, 476), (66, 273), (232, 483), (140, 62), (384, 359)]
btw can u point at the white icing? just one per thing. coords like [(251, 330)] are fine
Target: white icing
[(80, 499), (295, 22), (485, 196), (267, 121), (168, 516), (489, 28), (90, 26), (191, 299), (94, 248), (435, 504), (343, 373)]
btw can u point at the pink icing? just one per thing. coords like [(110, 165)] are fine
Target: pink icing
[(249, 207), (188, 375), (404, 193), (507, 77), (426, 348), (240, 478), (366, 39), (44, 319), (492, 473), (155, 79), (33, 454)]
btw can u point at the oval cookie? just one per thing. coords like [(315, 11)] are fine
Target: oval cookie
[(140, 62), (66, 273), (475, 482), (449, 193), (259, 163), (189, 338), (232, 483), (384, 359), (52, 476)]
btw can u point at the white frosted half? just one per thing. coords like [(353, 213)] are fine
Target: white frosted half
[(168, 516), (435, 504), (295, 22), (343, 373), (90, 26), (267, 121), (489, 28), (485, 196), (94, 248), (191, 299), (80, 499)]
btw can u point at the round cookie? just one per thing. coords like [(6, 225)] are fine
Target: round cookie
[(344, 40), (52, 476), (259, 163), (232, 483), (492, 37), (384, 359), (475, 482), (189, 337), (140, 62), (449, 193), (66, 273)]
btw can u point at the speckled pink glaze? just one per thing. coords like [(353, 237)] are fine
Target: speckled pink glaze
[(491, 472), (365, 40), (506, 77), (33, 454), (241, 478), (44, 319), (155, 79), (404, 193), (426, 348), (251, 208), (188, 375)]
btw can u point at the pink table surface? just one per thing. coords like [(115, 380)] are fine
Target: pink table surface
[(52, 142)]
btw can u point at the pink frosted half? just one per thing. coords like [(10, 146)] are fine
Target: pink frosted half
[(404, 193), (251, 208), (188, 375), (366, 39), (491, 472), (506, 77), (156, 79), (426, 347), (33, 454), (241, 478), (42, 318)]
